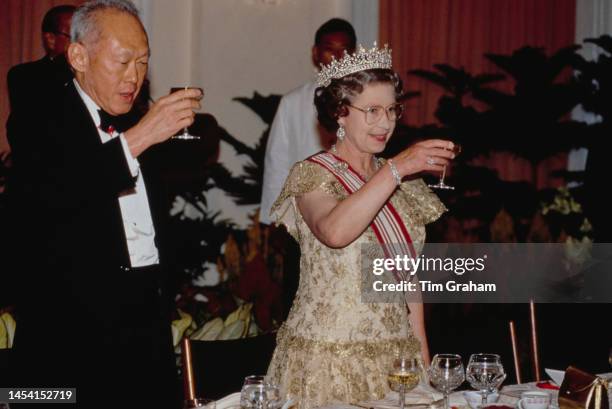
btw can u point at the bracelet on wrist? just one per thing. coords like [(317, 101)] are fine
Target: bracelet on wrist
[(394, 172)]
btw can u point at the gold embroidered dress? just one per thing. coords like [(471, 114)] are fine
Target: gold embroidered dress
[(333, 347)]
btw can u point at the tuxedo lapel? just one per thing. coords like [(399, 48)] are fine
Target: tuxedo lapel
[(84, 134), (78, 118)]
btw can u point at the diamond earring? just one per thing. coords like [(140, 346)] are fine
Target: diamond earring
[(341, 133)]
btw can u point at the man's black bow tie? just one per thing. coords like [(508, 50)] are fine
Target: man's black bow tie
[(108, 122), (119, 123)]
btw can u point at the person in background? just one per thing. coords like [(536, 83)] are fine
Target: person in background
[(38, 79), (295, 133)]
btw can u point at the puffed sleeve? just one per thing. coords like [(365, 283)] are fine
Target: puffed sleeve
[(304, 177)]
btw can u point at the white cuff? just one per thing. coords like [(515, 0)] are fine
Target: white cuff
[(133, 163)]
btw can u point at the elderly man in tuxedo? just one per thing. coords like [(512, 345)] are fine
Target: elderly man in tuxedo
[(93, 308)]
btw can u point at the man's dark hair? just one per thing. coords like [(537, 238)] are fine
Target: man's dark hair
[(336, 25), (51, 21)]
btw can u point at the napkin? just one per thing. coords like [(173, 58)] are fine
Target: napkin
[(422, 394), (556, 375), (229, 402)]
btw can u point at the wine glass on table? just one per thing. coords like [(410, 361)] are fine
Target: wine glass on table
[(403, 377), (185, 135), (441, 185), (259, 393), (446, 373), (485, 373)]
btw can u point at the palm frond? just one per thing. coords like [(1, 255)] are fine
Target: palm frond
[(264, 107), (432, 77)]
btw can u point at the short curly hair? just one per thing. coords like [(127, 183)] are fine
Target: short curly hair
[(332, 101)]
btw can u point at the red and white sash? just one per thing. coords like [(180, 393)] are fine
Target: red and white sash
[(387, 225)]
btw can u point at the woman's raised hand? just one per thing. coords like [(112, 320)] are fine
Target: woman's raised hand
[(430, 155)]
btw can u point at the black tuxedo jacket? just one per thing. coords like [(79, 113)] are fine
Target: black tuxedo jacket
[(34, 80), (81, 318)]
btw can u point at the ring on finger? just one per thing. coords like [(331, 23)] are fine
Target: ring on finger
[(430, 161)]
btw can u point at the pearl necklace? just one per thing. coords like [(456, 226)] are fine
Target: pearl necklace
[(376, 165)]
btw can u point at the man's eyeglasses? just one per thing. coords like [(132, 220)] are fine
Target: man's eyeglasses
[(374, 113), (62, 34)]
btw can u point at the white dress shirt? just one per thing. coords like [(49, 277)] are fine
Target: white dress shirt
[(294, 136), (134, 204)]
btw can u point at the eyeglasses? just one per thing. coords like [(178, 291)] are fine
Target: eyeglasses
[(374, 113)]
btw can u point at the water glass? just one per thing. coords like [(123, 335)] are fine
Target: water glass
[(485, 373), (446, 373), (259, 393)]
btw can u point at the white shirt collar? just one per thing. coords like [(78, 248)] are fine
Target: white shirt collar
[(92, 107)]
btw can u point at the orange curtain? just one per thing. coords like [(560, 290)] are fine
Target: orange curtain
[(459, 32), (20, 41)]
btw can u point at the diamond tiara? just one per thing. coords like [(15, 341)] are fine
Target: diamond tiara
[(361, 60)]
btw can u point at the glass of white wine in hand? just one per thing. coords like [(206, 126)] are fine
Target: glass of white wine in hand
[(403, 377), (185, 135), (441, 185)]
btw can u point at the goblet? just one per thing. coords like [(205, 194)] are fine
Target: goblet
[(185, 135), (259, 393), (446, 374), (403, 377), (485, 373), (441, 185)]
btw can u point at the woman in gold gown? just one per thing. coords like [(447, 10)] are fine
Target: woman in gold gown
[(334, 347)]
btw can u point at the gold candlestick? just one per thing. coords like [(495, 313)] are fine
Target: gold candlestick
[(188, 384), (534, 341), (517, 368)]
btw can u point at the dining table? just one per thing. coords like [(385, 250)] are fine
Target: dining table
[(424, 396)]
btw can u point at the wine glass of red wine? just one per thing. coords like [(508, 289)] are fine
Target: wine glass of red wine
[(184, 134)]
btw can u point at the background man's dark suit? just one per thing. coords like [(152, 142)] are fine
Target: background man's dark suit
[(83, 320), (41, 81), (35, 79)]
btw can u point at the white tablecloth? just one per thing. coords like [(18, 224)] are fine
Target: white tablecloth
[(509, 395), (229, 402)]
